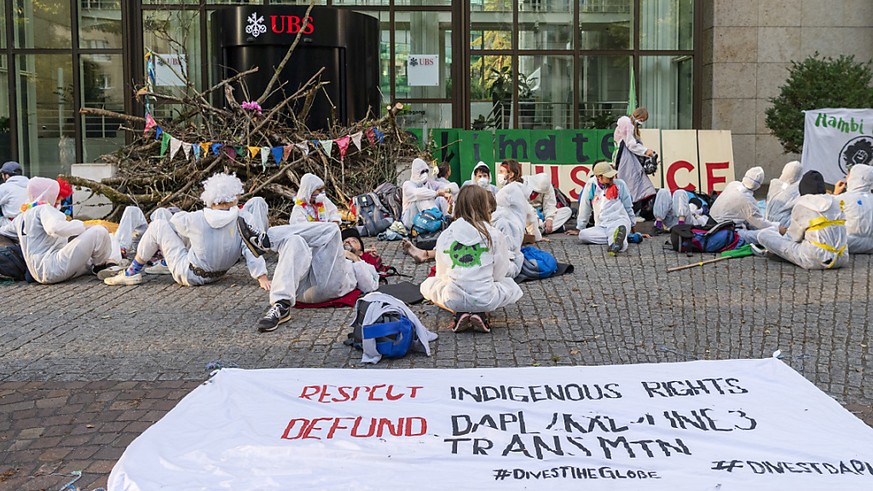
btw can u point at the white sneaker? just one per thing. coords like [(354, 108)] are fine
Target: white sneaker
[(109, 271), (640, 219), (157, 269), (122, 279)]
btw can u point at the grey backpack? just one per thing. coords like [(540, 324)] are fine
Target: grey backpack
[(372, 217)]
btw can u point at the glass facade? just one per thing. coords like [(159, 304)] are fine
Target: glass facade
[(526, 64)]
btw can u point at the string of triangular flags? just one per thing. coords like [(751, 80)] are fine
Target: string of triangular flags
[(172, 146)]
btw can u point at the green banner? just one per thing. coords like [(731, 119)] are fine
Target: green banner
[(474, 146)]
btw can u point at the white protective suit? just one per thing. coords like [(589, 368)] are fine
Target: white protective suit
[(473, 181), (510, 218), (669, 207), (858, 206), (206, 240), (783, 193), (471, 275), (816, 237), (131, 227), (541, 194), (418, 193), (737, 204), (45, 237), (441, 183), (628, 165), (321, 211), (13, 194), (609, 214), (312, 266)]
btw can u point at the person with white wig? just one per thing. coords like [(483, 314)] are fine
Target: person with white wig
[(56, 249), (200, 247)]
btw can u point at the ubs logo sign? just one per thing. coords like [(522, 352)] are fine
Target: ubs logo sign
[(291, 24), (279, 24), (256, 26)]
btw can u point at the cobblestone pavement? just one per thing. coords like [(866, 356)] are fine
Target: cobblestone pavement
[(84, 368)]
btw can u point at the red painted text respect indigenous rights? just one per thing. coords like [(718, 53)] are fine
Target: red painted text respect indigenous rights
[(355, 426)]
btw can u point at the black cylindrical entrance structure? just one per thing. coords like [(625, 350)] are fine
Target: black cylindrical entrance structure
[(344, 42)]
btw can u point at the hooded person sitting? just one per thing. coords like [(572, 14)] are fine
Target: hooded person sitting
[(737, 204), (472, 261), (199, 247), (481, 176), (510, 218), (609, 200), (56, 249), (858, 206), (443, 173), (312, 203), (782, 194), (13, 194), (419, 194), (816, 237), (542, 198)]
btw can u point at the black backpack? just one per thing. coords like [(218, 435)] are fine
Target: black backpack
[(564, 201), (372, 217), (391, 198), (12, 263)]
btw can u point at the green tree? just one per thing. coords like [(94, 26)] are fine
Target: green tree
[(817, 83)]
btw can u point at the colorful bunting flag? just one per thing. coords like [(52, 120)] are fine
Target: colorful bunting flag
[(303, 147), (286, 151), (231, 152), (150, 123), (216, 147), (343, 144), (165, 143), (327, 146), (196, 149), (379, 135), (254, 151), (371, 135), (186, 149), (175, 145), (265, 155), (356, 139), (158, 132), (278, 152)]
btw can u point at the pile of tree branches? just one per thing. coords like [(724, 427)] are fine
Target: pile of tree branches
[(150, 178)]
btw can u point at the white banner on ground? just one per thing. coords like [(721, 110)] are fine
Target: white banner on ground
[(704, 425), (836, 139)]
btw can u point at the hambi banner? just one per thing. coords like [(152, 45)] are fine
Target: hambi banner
[(704, 425), (836, 139)]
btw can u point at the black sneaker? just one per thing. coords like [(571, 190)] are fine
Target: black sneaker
[(280, 312), (618, 240), (257, 242)]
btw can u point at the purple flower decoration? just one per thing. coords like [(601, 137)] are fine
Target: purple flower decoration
[(252, 106)]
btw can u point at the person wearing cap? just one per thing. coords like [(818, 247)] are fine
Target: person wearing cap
[(481, 176), (13, 194), (199, 247), (419, 194), (609, 200), (782, 194), (54, 248), (312, 204), (317, 263), (816, 237), (855, 193), (737, 204)]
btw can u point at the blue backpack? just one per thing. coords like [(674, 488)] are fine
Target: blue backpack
[(428, 221), (538, 263), (393, 338), (688, 238)]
